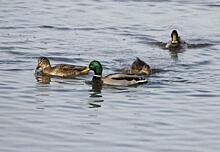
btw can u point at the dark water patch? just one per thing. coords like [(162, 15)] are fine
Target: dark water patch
[(12, 27), (194, 66), (54, 27), (153, 43), (85, 28), (202, 95), (46, 26), (13, 48), (199, 45), (78, 10), (157, 1), (67, 28), (16, 70), (58, 108), (18, 42), (157, 71), (7, 61), (205, 62), (213, 5), (83, 4), (142, 37), (206, 41), (175, 79), (112, 28), (145, 37), (178, 91), (6, 88), (7, 48), (131, 27)]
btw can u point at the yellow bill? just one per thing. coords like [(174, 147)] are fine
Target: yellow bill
[(85, 71), (174, 39)]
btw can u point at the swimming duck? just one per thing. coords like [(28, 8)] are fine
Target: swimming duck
[(60, 70), (175, 42), (118, 79), (139, 67)]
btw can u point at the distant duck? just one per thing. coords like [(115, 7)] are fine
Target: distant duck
[(117, 79), (139, 67), (175, 42), (60, 70)]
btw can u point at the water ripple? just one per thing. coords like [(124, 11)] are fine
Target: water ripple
[(178, 109)]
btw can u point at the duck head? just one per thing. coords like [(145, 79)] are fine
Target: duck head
[(96, 66), (145, 70), (140, 67), (43, 63), (174, 37)]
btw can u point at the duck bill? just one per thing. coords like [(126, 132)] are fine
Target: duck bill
[(174, 39), (86, 70), (38, 70)]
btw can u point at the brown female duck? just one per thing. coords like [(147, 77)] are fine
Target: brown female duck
[(175, 42), (60, 70), (139, 67)]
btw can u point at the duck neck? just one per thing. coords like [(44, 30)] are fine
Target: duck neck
[(97, 83), (97, 78), (47, 69)]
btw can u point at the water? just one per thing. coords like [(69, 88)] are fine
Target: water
[(177, 110)]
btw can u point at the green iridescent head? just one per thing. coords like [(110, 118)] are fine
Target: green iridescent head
[(96, 67)]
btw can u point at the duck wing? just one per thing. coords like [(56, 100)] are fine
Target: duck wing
[(67, 70), (121, 76), (123, 79), (70, 67)]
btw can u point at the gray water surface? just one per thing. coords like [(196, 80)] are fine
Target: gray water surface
[(178, 110)]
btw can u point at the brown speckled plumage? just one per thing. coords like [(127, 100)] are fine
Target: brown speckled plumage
[(138, 67), (60, 70)]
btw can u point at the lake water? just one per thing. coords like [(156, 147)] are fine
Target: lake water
[(178, 110)]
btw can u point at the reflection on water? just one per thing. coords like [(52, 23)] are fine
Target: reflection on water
[(96, 88), (174, 53), (44, 79), (178, 109), (95, 94), (95, 103)]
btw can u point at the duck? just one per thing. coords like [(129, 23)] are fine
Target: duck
[(175, 42), (115, 79), (60, 70), (138, 67)]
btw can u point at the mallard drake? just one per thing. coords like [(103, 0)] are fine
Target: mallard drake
[(138, 67), (60, 70), (118, 79), (175, 42)]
